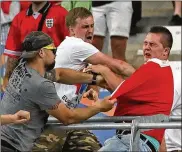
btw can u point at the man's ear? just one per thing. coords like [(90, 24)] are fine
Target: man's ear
[(41, 53), (71, 30), (166, 51)]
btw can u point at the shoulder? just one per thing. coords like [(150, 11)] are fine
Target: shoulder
[(86, 46), (21, 15), (59, 10), (148, 66)]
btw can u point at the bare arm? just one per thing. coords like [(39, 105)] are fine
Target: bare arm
[(19, 117), (117, 66), (69, 116), (10, 66), (68, 76), (163, 145), (111, 78)]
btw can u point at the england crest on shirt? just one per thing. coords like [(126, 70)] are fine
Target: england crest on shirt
[(49, 22)]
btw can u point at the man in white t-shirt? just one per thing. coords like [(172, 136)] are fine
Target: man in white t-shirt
[(172, 140), (76, 52)]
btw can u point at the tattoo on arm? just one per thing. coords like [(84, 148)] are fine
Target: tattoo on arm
[(11, 64), (55, 106), (51, 75)]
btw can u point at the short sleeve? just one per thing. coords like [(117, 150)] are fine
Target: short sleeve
[(47, 96), (13, 43), (83, 50)]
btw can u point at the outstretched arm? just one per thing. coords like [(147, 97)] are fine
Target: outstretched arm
[(69, 116), (117, 66), (69, 76), (19, 117), (113, 80)]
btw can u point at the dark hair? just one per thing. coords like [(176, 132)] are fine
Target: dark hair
[(167, 39), (33, 42), (78, 12)]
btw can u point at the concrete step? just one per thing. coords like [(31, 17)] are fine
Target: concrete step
[(157, 8)]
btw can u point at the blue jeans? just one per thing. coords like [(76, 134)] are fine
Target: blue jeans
[(122, 145)]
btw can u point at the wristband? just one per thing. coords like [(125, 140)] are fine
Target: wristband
[(94, 78)]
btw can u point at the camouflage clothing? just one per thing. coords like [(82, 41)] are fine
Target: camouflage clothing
[(51, 140), (76, 141), (81, 141)]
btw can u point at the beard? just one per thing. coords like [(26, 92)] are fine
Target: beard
[(49, 67)]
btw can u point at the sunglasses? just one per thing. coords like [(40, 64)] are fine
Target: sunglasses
[(51, 48)]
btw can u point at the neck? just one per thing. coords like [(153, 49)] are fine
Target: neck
[(37, 66), (37, 6)]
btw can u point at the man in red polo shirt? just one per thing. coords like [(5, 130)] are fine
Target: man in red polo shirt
[(148, 91), (30, 20)]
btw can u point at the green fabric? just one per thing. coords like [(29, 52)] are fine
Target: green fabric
[(68, 5), (153, 141)]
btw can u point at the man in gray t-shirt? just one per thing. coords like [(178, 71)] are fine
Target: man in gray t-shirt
[(29, 90)]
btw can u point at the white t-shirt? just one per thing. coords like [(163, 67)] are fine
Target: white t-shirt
[(71, 53), (173, 136)]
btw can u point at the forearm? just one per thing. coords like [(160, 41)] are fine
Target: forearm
[(6, 119), (163, 145), (10, 66), (111, 78), (121, 68), (81, 114), (68, 76)]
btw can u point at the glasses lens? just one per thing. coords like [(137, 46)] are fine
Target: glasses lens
[(54, 51)]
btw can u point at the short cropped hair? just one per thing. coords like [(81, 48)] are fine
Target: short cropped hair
[(167, 39), (78, 12)]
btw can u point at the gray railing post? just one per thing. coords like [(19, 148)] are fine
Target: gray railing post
[(134, 136)]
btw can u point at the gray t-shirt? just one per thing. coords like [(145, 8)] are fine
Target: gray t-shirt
[(27, 90)]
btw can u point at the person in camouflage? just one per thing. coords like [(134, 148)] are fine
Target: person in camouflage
[(29, 90)]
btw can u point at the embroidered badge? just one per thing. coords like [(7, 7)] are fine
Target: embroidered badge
[(49, 22)]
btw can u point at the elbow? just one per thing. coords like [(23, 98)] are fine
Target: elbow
[(68, 122), (70, 119)]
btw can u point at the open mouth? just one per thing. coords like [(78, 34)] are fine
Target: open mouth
[(89, 37), (148, 55)]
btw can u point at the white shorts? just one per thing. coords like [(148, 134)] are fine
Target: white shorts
[(114, 17)]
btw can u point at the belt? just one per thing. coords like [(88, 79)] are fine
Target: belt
[(6, 144), (142, 137)]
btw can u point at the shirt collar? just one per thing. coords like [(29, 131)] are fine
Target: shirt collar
[(42, 10), (162, 63)]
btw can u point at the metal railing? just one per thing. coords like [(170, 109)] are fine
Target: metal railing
[(113, 119), (136, 124)]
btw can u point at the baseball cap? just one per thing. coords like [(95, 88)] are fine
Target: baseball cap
[(34, 41)]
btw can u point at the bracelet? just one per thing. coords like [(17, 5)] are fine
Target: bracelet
[(94, 78)]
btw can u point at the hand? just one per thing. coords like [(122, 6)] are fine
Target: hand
[(100, 81), (21, 117), (106, 104), (96, 68), (91, 95)]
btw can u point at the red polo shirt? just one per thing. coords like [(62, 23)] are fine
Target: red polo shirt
[(147, 92), (26, 22)]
